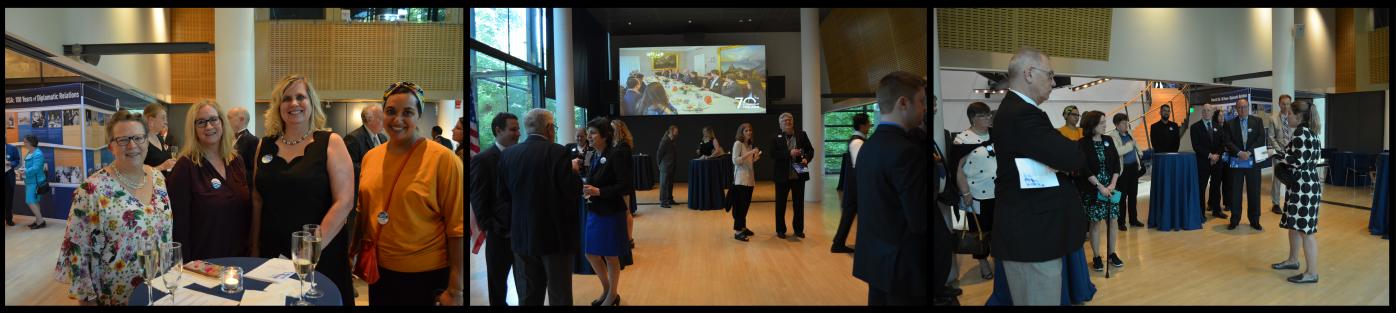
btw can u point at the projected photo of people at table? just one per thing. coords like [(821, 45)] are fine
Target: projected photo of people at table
[(734, 80)]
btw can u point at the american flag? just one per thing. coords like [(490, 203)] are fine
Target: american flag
[(477, 237)]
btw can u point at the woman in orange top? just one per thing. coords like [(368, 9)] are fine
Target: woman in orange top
[(412, 198)]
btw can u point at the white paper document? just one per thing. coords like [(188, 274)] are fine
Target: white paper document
[(288, 289), (191, 297), (257, 297), (274, 271), (185, 279), (1033, 174), (1261, 153)]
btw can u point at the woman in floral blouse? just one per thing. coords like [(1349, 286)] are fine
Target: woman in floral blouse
[(116, 210)]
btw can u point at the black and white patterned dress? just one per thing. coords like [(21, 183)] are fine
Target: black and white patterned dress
[(1302, 200)]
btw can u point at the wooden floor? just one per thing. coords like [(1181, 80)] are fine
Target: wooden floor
[(30, 255), (1216, 266), (688, 257)]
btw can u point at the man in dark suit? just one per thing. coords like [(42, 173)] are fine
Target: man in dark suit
[(790, 147), (668, 158), (491, 213), (536, 178), (1034, 227), (436, 132), (848, 185), (1240, 138), (893, 246), (1206, 144), (366, 137), (245, 143), (1164, 134)]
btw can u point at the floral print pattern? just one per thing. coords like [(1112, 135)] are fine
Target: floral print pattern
[(106, 224)]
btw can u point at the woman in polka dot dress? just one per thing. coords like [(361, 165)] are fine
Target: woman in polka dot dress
[(978, 169), (1302, 200)]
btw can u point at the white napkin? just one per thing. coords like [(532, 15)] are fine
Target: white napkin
[(257, 297)]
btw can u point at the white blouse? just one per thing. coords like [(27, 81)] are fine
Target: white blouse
[(980, 168)]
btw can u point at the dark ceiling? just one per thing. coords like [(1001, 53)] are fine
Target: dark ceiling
[(639, 21)]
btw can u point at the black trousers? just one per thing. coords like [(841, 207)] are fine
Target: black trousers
[(398, 288), (1209, 173), (879, 297), (666, 183), (1128, 185), (536, 274), (796, 189), (741, 202), (845, 223), (499, 258), (1250, 177), (9, 196)]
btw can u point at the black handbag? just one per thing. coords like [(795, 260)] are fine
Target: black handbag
[(43, 188), (972, 242)]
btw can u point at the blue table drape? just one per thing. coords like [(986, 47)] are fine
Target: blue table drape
[(1340, 161), (645, 171), (331, 292), (1174, 202), (706, 181), (1076, 282), (1380, 222)]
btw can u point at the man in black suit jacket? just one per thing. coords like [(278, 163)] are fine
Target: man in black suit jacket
[(359, 141), (1206, 144), (493, 214), (668, 159), (246, 142), (893, 246), (1164, 134), (1241, 137), (1034, 228), (790, 147), (536, 177)]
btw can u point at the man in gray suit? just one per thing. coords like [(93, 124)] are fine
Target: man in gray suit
[(667, 160)]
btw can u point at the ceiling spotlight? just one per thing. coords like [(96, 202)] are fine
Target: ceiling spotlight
[(627, 23), (748, 20), (690, 21)]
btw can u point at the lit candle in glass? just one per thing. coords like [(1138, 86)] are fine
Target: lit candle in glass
[(232, 279)]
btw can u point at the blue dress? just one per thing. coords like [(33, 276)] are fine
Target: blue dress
[(33, 175), (605, 233)]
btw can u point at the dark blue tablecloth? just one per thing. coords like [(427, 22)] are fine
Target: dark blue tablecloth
[(706, 181), (1076, 281), (1174, 202), (1380, 223), (1339, 163), (645, 171), (327, 287)]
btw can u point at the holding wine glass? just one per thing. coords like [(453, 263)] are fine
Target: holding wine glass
[(302, 248), (314, 232), (172, 262)]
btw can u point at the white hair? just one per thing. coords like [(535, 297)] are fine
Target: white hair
[(1025, 58), (536, 119)]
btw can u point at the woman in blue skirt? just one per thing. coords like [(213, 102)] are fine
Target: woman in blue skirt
[(608, 181)]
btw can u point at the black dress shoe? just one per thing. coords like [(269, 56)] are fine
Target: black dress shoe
[(617, 303), (1299, 279), (741, 237), (841, 249), (598, 301), (748, 232), (1257, 227), (1218, 214), (801, 235), (1231, 227), (1123, 228), (781, 235), (664, 206), (1136, 223), (1096, 265), (1282, 266), (38, 225), (956, 292), (1276, 209)]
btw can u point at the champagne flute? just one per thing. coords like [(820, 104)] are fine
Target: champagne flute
[(172, 262), (148, 255), (313, 231), (300, 256)]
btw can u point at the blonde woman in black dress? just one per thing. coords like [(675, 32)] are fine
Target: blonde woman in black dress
[(1301, 200)]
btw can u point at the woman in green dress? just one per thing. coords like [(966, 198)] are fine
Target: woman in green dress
[(1097, 180)]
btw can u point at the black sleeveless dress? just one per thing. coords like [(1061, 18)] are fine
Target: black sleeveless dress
[(296, 193)]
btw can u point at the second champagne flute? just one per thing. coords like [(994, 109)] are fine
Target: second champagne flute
[(172, 263)]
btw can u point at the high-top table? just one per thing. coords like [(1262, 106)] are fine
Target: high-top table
[(329, 290), (1174, 200)]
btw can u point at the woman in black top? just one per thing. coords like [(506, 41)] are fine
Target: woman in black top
[(709, 147), (302, 177), (1097, 179), (158, 154)]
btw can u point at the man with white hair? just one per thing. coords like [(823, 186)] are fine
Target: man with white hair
[(536, 178), (1034, 227), (246, 142)]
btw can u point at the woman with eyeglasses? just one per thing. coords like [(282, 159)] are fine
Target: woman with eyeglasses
[(116, 211), (412, 199), (977, 172), (208, 188), (302, 175)]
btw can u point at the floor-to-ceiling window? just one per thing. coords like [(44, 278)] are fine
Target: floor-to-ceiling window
[(508, 52), (838, 127)]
